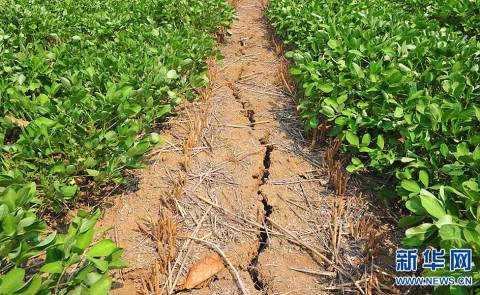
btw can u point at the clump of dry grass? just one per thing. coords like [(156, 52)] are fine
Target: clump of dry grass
[(199, 120), (277, 44), (338, 177), (285, 78), (164, 233), (195, 126), (151, 281), (212, 72)]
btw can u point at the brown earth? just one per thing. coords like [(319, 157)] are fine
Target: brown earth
[(236, 174)]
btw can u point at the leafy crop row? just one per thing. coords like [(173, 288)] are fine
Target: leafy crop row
[(69, 262), (460, 14), (403, 93), (81, 82)]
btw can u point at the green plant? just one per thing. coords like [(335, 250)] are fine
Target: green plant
[(459, 14), (70, 263), (401, 90), (81, 82)]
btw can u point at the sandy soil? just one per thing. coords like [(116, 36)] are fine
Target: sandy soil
[(237, 172)]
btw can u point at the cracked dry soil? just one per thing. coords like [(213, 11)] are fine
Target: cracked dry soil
[(237, 171)]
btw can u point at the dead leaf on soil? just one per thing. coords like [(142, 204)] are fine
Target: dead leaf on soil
[(203, 270), (18, 122)]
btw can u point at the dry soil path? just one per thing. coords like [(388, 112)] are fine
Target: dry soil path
[(237, 172)]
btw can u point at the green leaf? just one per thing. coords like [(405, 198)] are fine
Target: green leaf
[(452, 169), (84, 239), (47, 240), (398, 112), (358, 70), (404, 68), (309, 88), (25, 194), (9, 198), (366, 139), (445, 219), (472, 233), (118, 264), (12, 281), (90, 162), (295, 71), (313, 122), (444, 150), (46, 122), (476, 153), (90, 71), (132, 109), (66, 83), (53, 267), (69, 191), (414, 205), (410, 185), (102, 286), (21, 79), (462, 150), (356, 52), (25, 222), (138, 149), (407, 160), (328, 111), (325, 87), (332, 43), (423, 177), (102, 265), (477, 112), (436, 112), (92, 172), (155, 138), (88, 224), (102, 248), (416, 236), (92, 277), (351, 168), (352, 138), (172, 74), (342, 98), (356, 161), (380, 141), (450, 232), (32, 287), (9, 225), (432, 205)]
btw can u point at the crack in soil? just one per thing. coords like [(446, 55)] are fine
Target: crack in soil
[(251, 118), (263, 235), (250, 114), (266, 164), (236, 94)]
